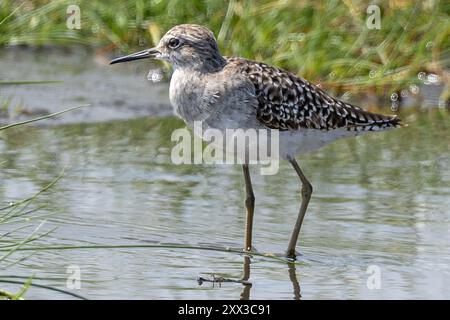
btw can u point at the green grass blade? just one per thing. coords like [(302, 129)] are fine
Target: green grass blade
[(42, 118), (19, 295), (43, 287), (153, 246)]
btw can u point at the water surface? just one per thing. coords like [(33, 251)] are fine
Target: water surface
[(379, 200)]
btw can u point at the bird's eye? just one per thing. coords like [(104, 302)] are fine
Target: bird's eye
[(174, 42)]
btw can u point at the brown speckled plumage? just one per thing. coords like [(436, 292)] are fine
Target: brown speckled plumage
[(288, 102)]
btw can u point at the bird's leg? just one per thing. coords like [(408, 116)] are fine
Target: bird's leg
[(306, 195), (250, 205)]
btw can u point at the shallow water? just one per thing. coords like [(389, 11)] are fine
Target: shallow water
[(82, 77), (379, 200)]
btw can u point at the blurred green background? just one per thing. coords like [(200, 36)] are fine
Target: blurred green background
[(327, 42)]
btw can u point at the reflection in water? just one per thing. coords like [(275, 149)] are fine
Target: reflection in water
[(379, 200), (245, 294), (294, 280)]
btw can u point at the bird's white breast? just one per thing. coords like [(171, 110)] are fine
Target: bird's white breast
[(185, 93)]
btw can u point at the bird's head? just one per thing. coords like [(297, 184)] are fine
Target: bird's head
[(184, 46)]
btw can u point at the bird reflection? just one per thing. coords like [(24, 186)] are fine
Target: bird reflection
[(295, 283), (247, 285), (245, 294)]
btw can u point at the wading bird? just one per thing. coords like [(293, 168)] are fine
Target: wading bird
[(239, 93)]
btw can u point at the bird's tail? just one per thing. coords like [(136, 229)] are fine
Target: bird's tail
[(363, 120)]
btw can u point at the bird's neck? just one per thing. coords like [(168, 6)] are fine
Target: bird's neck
[(214, 63), (203, 65)]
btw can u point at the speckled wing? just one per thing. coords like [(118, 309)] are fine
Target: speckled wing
[(287, 102)]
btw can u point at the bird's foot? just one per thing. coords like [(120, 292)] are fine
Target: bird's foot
[(250, 250), (292, 255)]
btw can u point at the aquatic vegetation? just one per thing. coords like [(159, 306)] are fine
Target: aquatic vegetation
[(16, 124), (17, 217), (15, 214)]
